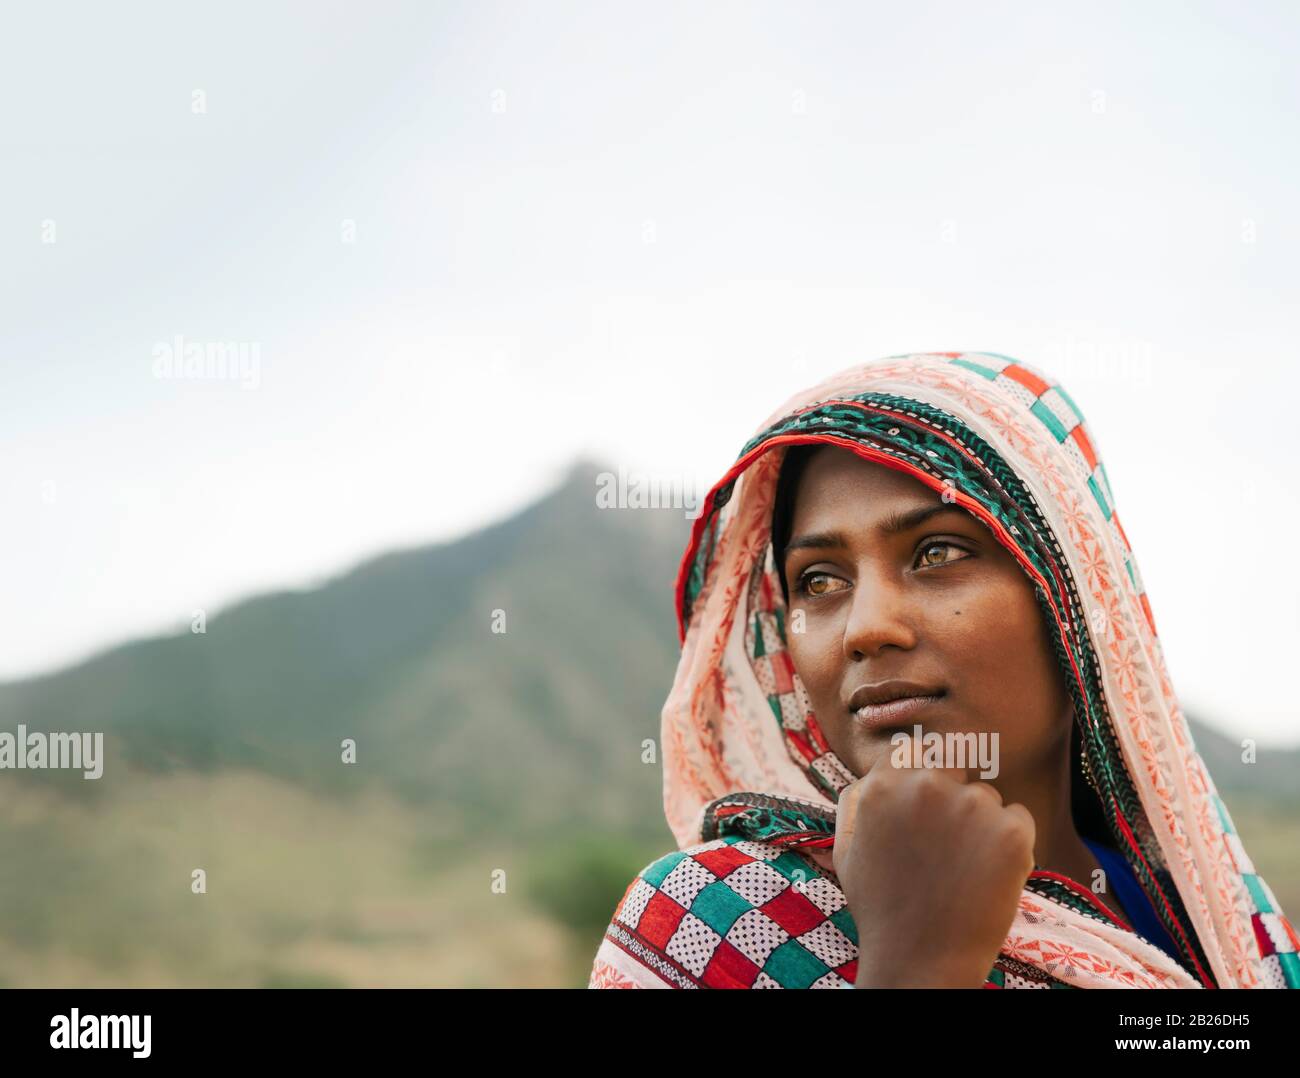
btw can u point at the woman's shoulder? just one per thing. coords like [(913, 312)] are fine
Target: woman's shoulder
[(730, 913)]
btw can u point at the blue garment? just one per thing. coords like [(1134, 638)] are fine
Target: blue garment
[(1123, 884)]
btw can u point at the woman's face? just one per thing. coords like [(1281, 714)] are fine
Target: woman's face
[(894, 583)]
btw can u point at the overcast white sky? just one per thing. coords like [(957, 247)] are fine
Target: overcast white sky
[(629, 230)]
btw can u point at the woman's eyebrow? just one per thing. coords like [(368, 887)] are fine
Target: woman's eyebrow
[(895, 524), (907, 519)]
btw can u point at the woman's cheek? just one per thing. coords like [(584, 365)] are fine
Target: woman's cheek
[(809, 651), (989, 619)]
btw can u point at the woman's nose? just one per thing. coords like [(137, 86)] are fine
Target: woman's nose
[(880, 615)]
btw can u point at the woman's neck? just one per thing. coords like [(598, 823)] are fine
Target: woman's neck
[(1057, 844)]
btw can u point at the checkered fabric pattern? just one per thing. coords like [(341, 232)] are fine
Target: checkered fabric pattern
[(734, 913)]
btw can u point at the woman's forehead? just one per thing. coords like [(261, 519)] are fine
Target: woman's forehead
[(836, 471)]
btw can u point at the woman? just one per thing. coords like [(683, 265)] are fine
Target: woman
[(925, 549)]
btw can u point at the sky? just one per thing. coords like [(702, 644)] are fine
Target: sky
[(458, 245)]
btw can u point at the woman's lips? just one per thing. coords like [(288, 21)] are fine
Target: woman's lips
[(893, 712)]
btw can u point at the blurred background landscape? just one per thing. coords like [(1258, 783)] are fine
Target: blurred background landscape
[(477, 752)]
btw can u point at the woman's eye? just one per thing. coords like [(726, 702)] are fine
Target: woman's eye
[(939, 545), (813, 584), (809, 583)]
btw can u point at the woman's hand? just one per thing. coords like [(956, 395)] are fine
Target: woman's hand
[(932, 865)]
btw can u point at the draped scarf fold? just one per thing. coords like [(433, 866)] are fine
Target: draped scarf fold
[(750, 782)]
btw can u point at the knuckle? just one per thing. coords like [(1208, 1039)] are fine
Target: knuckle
[(928, 778), (1014, 839)]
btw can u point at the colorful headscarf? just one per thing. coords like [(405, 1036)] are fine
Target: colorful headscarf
[(750, 782)]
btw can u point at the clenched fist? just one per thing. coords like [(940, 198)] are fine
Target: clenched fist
[(932, 865)]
